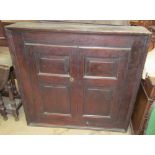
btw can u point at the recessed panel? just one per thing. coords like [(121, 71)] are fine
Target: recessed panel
[(98, 101), (104, 67), (56, 99), (54, 65)]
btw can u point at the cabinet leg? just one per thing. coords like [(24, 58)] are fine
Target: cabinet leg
[(13, 102), (2, 108), (12, 78), (16, 114)]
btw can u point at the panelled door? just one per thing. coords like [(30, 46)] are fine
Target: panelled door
[(102, 78), (77, 85), (53, 70)]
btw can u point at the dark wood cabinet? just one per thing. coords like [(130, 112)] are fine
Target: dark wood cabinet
[(78, 75)]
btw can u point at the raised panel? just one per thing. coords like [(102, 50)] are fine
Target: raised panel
[(98, 101), (56, 99), (54, 64), (104, 67)]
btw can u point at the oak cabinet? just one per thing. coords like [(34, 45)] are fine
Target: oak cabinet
[(78, 75)]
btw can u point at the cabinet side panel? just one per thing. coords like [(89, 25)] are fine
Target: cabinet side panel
[(16, 48), (136, 65)]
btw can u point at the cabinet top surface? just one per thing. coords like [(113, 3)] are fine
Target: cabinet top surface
[(78, 27)]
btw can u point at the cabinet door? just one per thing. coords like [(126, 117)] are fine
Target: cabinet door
[(102, 78), (51, 68)]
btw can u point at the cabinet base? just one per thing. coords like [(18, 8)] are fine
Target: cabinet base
[(77, 127)]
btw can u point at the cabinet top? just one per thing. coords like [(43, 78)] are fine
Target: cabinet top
[(79, 28)]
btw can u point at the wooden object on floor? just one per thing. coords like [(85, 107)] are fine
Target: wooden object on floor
[(152, 43), (2, 108), (78, 75), (149, 24), (149, 84), (145, 98), (4, 73), (7, 81), (145, 23)]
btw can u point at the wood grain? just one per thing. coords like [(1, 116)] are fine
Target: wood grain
[(73, 74)]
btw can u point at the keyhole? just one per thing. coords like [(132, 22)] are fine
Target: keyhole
[(71, 79), (87, 122)]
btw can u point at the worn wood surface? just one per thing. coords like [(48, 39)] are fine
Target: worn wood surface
[(79, 27), (78, 74)]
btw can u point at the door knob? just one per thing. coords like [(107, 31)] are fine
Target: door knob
[(71, 79)]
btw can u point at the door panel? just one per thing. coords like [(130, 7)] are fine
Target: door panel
[(51, 68), (102, 78), (98, 67), (97, 101), (54, 64), (53, 103)]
